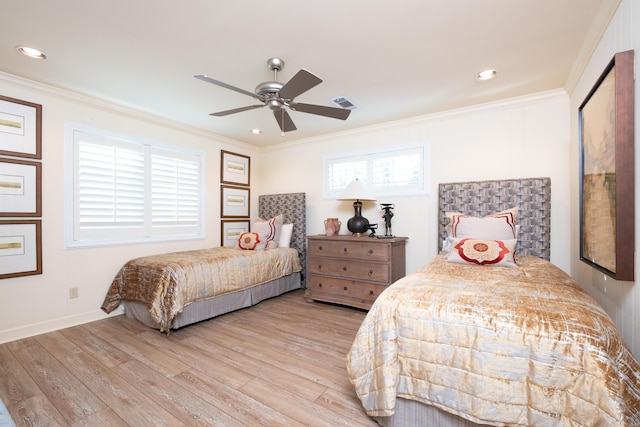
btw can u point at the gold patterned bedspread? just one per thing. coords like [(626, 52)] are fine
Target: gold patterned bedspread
[(169, 282), (496, 345)]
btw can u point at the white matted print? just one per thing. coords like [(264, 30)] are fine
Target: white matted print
[(231, 231), (234, 168), (20, 188), (20, 128), (20, 248), (234, 202)]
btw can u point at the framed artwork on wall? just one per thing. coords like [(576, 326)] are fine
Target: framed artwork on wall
[(20, 128), (234, 202), (231, 231), (235, 168), (20, 248), (607, 223), (20, 188)]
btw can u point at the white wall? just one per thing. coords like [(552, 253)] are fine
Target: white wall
[(34, 304), (620, 299), (516, 138)]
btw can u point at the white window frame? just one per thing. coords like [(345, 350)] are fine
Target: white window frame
[(145, 232), (366, 159)]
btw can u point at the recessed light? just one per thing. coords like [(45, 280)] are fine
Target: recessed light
[(486, 74), (31, 52), (256, 131)]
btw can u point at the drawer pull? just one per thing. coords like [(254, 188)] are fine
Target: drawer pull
[(370, 292), (319, 248), (319, 285), (370, 251), (345, 250), (345, 288), (319, 267), (370, 273), (344, 268)]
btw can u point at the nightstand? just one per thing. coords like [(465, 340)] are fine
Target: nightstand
[(352, 270)]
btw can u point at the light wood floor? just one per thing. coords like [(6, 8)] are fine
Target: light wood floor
[(279, 363)]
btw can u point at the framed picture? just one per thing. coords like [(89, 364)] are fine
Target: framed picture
[(20, 188), (20, 128), (607, 225), (234, 168), (231, 231), (234, 202), (20, 248)]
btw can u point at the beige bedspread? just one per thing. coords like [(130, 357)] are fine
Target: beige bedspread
[(169, 282), (496, 345)]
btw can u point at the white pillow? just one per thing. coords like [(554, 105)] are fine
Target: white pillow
[(483, 252), (271, 227), (499, 226), (285, 236), (251, 241)]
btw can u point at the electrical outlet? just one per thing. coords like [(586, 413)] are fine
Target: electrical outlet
[(73, 293)]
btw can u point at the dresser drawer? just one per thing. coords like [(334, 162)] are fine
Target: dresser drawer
[(352, 269), (342, 290), (368, 249)]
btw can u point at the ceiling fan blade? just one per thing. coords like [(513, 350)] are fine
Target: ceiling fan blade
[(236, 110), (300, 83), (224, 85), (321, 110), (284, 120)]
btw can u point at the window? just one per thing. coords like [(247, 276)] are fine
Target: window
[(120, 190), (387, 172)]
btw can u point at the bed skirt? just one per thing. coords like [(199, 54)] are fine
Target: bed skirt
[(414, 413), (206, 309)]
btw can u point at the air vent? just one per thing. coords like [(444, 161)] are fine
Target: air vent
[(344, 102)]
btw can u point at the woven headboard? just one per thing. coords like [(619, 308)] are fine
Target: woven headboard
[(532, 196), (293, 207)]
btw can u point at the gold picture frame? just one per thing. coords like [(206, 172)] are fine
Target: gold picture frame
[(607, 214)]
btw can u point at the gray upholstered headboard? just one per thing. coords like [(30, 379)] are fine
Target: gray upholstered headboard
[(532, 196), (293, 207)]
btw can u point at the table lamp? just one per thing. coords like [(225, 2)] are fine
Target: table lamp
[(357, 190)]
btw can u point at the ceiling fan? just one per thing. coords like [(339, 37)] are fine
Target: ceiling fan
[(278, 96)]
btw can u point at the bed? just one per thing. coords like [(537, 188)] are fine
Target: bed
[(462, 344), (157, 290)]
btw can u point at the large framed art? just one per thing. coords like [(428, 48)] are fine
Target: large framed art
[(234, 201), (607, 223), (231, 230), (20, 188), (234, 168), (20, 128), (20, 248)]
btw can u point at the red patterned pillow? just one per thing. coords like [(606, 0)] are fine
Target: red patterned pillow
[(499, 226), (483, 252), (250, 241), (271, 227)]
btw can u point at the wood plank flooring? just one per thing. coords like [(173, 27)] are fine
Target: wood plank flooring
[(279, 363)]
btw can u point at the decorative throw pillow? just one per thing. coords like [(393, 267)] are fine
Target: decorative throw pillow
[(483, 252), (285, 236), (499, 226), (250, 241), (271, 227)]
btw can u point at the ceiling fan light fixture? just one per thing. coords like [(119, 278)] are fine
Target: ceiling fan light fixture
[(31, 52), (486, 74)]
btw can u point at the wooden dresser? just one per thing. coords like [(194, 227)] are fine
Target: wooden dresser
[(352, 270)]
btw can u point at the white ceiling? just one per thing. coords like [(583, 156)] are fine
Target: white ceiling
[(394, 60)]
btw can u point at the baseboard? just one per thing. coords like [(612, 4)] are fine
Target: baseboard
[(33, 329)]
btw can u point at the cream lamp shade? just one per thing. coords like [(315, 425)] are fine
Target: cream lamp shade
[(357, 190)]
